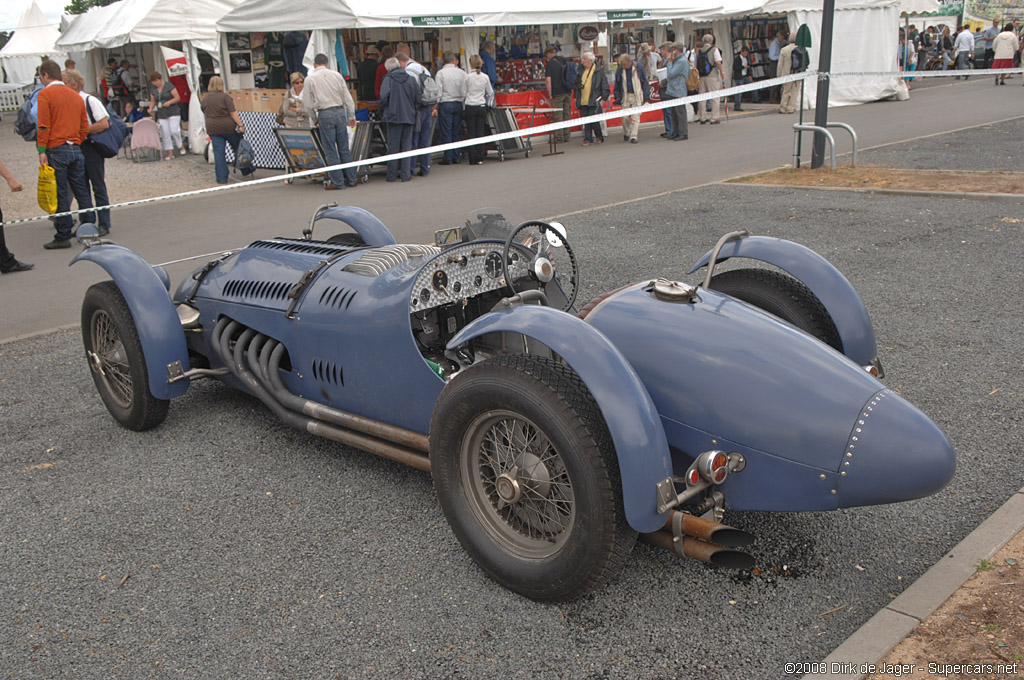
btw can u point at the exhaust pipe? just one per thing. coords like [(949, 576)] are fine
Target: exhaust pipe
[(233, 359), (707, 541), (706, 530), (688, 546)]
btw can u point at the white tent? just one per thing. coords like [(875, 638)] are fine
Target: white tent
[(33, 39), (143, 21), (864, 39), (460, 21), (150, 22)]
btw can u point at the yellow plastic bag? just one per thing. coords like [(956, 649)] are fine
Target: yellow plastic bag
[(47, 194)]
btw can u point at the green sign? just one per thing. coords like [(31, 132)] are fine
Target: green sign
[(439, 20), (625, 15)]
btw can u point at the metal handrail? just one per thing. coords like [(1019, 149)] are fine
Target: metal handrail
[(853, 136), (806, 127)]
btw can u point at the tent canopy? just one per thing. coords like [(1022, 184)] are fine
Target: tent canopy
[(286, 15), (142, 21), (34, 37)]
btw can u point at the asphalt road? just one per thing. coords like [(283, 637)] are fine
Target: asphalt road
[(581, 178), (225, 545)]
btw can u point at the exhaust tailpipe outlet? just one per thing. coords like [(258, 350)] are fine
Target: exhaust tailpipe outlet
[(687, 546)]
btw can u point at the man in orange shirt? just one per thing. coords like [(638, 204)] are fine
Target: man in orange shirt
[(62, 125)]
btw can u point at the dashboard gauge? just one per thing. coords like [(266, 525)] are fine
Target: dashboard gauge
[(492, 265), (425, 295), (439, 280)]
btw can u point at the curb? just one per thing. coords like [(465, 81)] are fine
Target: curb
[(853, 659)]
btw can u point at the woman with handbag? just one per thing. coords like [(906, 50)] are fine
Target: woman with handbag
[(223, 124), (292, 114), (479, 96)]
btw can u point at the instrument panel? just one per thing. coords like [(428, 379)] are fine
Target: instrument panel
[(460, 272)]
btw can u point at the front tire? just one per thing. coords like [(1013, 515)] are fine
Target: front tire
[(783, 296), (526, 474), (116, 359)]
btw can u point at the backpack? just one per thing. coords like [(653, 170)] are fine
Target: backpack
[(245, 157), (704, 65), (108, 142), (569, 73), (25, 123), (430, 93), (799, 60), (693, 80)]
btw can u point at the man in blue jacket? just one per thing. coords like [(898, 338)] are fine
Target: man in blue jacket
[(399, 104), (677, 71), (489, 68)]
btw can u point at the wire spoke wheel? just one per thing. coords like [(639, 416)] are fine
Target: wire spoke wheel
[(519, 486), (527, 476), (110, 360), (116, 359)]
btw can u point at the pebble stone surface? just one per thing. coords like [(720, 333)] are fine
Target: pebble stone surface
[(225, 545)]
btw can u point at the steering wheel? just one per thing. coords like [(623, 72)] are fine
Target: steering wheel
[(530, 251)]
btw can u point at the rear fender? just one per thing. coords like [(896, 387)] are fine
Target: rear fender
[(363, 222), (632, 419), (833, 289), (156, 320)]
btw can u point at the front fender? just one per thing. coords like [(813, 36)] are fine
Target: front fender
[(632, 419), (833, 289), (156, 320)]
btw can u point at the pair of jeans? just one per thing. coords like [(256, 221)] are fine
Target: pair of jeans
[(667, 114), (220, 163), (421, 139), (754, 94), (333, 124), (449, 119), (69, 168), (95, 176), (591, 129), (476, 126), (400, 139)]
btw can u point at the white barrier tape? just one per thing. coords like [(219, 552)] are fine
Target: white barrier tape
[(919, 74), (522, 132)]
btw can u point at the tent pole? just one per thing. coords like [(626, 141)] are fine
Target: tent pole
[(824, 66)]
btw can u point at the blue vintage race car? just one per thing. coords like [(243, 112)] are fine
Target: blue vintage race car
[(554, 436)]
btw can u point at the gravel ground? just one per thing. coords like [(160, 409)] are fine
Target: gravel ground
[(986, 147), (224, 544)]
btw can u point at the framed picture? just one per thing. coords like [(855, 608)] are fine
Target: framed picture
[(238, 41), (301, 147), (241, 62)]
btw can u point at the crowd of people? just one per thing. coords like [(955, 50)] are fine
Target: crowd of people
[(941, 49)]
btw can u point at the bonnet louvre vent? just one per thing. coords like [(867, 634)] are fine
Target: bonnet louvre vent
[(257, 290), (328, 372), (302, 246), (377, 261), (336, 297)]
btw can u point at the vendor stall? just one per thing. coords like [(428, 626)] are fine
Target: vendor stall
[(137, 28)]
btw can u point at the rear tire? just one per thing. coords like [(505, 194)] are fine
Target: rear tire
[(783, 296), (116, 359), (527, 477), (349, 238)]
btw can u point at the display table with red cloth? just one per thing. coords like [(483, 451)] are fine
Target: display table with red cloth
[(526, 99)]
